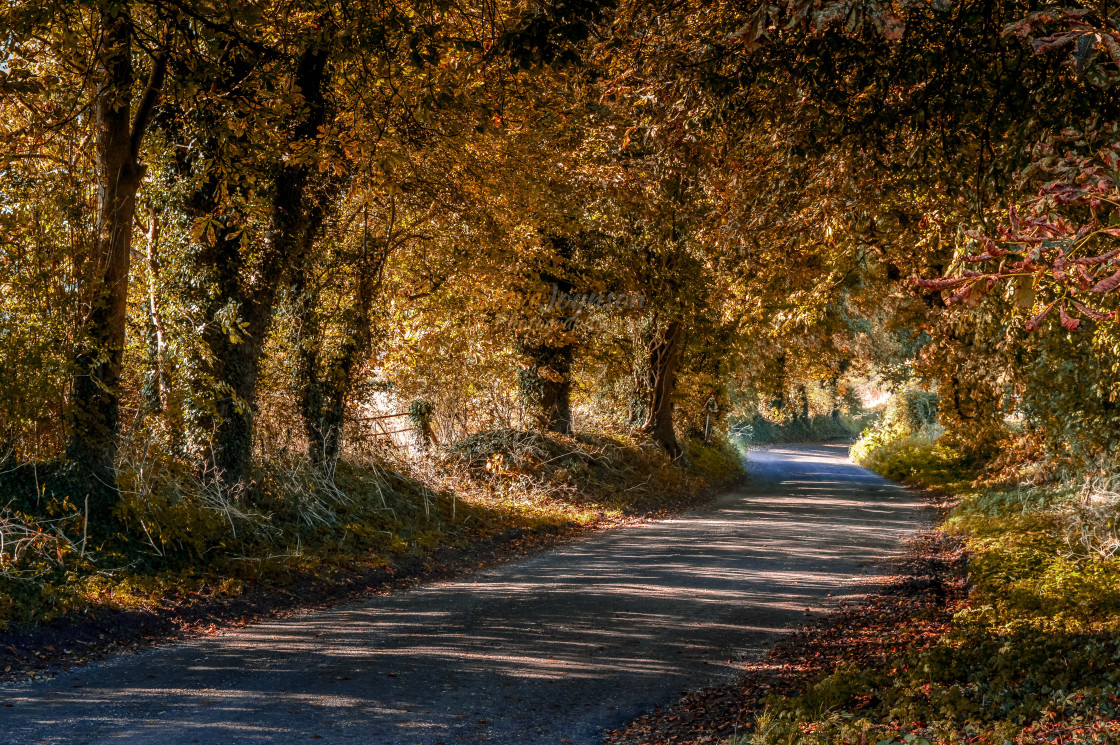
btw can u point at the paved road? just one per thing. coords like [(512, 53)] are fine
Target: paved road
[(550, 650)]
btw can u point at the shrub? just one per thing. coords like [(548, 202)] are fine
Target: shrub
[(905, 444), (762, 431)]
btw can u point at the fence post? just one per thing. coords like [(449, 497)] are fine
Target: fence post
[(420, 414)]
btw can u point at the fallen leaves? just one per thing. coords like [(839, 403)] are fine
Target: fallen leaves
[(911, 612)]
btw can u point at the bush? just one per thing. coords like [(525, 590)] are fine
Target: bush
[(717, 462), (587, 467), (761, 431), (905, 445)]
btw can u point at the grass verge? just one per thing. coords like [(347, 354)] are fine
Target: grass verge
[(1007, 634), (185, 558), (1031, 656)]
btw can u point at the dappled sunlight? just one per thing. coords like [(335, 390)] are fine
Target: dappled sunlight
[(609, 626)]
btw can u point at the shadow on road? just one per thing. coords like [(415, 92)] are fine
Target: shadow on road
[(553, 649)]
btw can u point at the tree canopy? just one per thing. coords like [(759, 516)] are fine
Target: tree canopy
[(228, 230)]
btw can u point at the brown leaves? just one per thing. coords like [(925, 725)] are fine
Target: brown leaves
[(1069, 323), (1033, 323), (1108, 284)]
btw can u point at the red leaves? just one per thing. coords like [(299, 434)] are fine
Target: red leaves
[(1069, 323), (1054, 41), (1108, 284), (1094, 260), (1096, 315), (962, 294), (977, 259), (1036, 321), (1084, 279), (940, 283), (1059, 270), (1048, 252)]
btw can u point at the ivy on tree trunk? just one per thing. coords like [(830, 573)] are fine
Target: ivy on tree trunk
[(93, 410), (235, 352)]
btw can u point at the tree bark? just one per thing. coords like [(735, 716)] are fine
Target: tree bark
[(802, 414), (158, 352), (93, 411), (235, 353), (778, 401), (324, 389), (545, 386), (545, 380), (834, 394), (664, 353)]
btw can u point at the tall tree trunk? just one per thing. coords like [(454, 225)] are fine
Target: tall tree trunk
[(309, 394), (336, 382), (834, 387), (160, 400), (834, 395), (324, 387), (93, 412), (235, 353), (664, 353), (778, 401), (802, 414)]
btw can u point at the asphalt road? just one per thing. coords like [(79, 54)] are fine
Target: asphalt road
[(551, 650)]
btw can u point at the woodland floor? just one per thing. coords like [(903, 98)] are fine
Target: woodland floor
[(554, 649)]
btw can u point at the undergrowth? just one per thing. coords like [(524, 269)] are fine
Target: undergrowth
[(178, 539), (905, 444)]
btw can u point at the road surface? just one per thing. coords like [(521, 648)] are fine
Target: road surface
[(551, 650)]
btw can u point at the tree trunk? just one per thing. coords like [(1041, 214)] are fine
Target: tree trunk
[(545, 380), (664, 354), (161, 394), (93, 412), (778, 401), (235, 353), (545, 386), (834, 388), (324, 385), (803, 404)]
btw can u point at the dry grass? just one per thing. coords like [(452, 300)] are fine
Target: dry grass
[(182, 537)]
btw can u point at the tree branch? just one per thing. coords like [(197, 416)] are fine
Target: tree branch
[(148, 102)]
